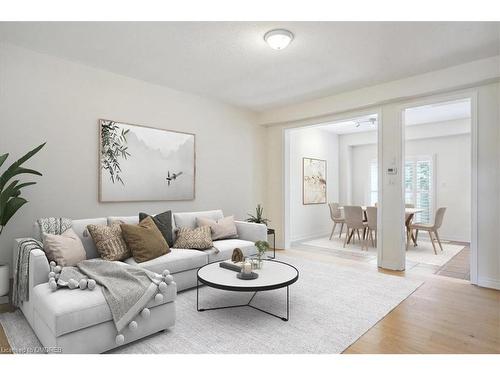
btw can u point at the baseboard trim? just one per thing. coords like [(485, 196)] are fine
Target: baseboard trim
[(487, 282), (310, 237)]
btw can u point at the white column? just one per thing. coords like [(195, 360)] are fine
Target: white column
[(391, 236)]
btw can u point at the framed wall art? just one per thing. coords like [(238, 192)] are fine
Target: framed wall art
[(141, 163)]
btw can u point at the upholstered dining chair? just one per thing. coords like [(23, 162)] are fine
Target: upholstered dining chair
[(432, 229), (354, 222), (371, 216), (337, 217)]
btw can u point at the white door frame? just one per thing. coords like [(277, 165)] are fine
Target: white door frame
[(470, 94), (344, 116)]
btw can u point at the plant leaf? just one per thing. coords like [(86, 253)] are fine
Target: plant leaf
[(3, 158), (11, 208), (16, 169)]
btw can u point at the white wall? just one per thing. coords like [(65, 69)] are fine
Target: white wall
[(308, 221), (43, 98), (388, 100)]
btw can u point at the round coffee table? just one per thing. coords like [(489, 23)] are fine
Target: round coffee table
[(273, 275)]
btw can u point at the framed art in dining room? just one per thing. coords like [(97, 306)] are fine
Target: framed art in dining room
[(142, 163), (313, 181)]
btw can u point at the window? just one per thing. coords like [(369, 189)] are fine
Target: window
[(419, 186), (418, 180)]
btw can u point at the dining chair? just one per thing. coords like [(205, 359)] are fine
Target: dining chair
[(432, 229), (337, 217), (371, 215), (354, 222)]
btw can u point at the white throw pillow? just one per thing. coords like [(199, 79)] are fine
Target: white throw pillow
[(65, 249)]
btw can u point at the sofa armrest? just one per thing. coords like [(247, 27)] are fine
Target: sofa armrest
[(251, 231), (38, 265)]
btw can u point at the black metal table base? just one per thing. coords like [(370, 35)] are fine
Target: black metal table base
[(248, 304)]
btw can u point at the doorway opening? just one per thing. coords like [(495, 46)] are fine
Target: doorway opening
[(331, 186), (437, 176)]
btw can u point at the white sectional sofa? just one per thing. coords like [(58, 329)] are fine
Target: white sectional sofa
[(80, 321)]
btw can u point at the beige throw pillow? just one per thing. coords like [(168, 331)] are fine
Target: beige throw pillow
[(109, 241), (65, 249), (221, 229), (199, 238)]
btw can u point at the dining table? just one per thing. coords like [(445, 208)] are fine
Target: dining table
[(410, 213)]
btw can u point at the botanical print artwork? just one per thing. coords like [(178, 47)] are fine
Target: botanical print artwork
[(314, 181), (139, 163)]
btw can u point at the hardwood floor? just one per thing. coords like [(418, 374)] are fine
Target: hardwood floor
[(445, 315), (458, 266)]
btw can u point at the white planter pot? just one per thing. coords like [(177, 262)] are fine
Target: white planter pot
[(4, 279)]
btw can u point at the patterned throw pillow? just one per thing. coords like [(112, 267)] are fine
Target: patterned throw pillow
[(109, 241), (199, 238)]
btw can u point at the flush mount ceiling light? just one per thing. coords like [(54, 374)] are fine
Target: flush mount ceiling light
[(278, 38)]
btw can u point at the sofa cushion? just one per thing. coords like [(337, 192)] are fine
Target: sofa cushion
[(225, 249), (199, 238), (109, 241), (224, 228), (69, 310), (188, 219), (144, 240), (177, 260), (80, 228), (65, 249), (164, 223)]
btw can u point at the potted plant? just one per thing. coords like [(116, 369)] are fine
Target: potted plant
[(258, 218), (262, 248), (10, 195)]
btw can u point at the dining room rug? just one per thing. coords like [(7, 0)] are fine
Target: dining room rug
[(423, 253), (331, 306)]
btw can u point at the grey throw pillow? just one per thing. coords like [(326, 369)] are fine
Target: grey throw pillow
[(163, 222)]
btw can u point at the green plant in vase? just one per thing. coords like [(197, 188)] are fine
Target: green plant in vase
[(262, 248), (10, 199)]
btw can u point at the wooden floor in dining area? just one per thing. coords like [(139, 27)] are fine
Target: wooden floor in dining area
[(444, 316)]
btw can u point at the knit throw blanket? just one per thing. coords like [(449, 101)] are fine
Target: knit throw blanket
[(127, 289), (50, 225)]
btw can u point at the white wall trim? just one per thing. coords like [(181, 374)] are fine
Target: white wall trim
[(488, 283)]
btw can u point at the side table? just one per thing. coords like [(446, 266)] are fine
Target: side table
[(273, 233)]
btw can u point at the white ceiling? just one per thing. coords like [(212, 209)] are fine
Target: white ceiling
[(439, 112), (230, 61)]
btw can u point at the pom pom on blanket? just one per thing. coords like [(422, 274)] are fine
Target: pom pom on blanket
[(159, 298), (132, 325), (52, 274), (72, 284), (120, 339), (57, 269), (52, 263), (166, 273), (52, 285), (145, 313), (83, 284), (163, 287), (169, 279), (91, 284)]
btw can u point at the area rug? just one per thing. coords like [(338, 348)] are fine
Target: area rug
[(423, 253), (331, 306)]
